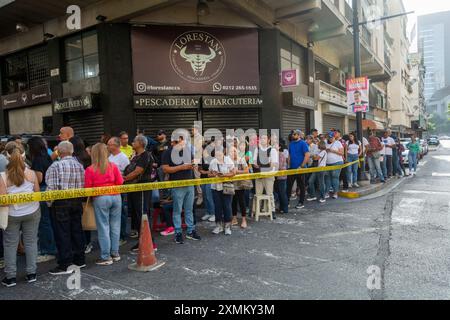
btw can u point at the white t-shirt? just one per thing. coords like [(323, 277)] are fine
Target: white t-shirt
[(226, 167), (314, 150), (323, 158), (387, 141), (120, 160), (333, 157), (273, 158), (353, 148)]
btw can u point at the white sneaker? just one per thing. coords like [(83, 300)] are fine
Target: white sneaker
[(206, 217), (212, 219), (228, 230), (355, 185), (45, 258), (218, 229), (327, 196), (335, 196), (350, 185), (89, 248)]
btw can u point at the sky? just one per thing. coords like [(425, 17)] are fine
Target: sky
[(423, 7)]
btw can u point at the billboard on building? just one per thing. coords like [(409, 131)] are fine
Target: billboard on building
[(358, 94), (193, 60)]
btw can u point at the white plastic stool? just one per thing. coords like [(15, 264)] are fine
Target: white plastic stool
[(262, 201)]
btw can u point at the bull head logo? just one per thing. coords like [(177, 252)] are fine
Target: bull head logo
[(198, 61)]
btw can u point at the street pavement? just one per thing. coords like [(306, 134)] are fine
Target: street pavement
[(322, 252)]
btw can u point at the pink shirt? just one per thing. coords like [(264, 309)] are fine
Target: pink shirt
[(112, 177)]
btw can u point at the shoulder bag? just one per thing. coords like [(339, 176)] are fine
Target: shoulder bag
[(88, 218), (227, 187)]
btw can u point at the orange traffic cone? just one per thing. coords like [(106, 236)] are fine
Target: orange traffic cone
[(146, 260)]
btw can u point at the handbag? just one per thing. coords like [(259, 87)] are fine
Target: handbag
[(88, 218), (243, 184), (4, 211), (227, 187)]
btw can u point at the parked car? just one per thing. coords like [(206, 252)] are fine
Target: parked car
[(433, 142), (424, 147), (444, 138)]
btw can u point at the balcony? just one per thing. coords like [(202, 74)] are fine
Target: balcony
[(366, 36), (329, 93)]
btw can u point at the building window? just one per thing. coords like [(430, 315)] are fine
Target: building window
[(293, 56), (26, 70), (81, 56)]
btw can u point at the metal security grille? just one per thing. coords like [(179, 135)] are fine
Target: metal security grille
[(39, 73), (231, 119), (88, 125), (332, 122), (291, 119), (153, 120)]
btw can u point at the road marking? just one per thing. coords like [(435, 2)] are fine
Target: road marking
[(347, 233), (408, 211), (421, 164), (426, 192), (438, 174)]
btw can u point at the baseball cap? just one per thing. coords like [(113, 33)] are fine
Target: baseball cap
[(331, 134), (297, 131)]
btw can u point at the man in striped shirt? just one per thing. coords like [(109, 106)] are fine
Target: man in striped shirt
[(67, 174)]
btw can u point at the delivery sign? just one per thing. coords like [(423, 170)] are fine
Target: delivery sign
[(358, 94)]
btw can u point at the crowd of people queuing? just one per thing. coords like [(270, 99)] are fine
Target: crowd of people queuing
[(53, 230)]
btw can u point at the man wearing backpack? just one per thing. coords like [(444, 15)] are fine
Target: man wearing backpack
[(373, 157)]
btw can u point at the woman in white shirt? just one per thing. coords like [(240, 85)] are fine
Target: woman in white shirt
[(19, 179), (222, 166), (354, 151), (335, 152)]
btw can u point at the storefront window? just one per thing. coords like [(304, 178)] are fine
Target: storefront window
[(81, 56), (26, 70)]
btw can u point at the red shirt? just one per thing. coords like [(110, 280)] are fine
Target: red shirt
[(112, 177)]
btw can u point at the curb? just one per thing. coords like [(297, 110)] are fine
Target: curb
[(369, 191)]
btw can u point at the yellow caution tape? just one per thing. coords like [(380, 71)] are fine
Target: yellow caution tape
[(129, 188)]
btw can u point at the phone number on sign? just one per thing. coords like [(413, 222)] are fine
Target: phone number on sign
[(253, 88)]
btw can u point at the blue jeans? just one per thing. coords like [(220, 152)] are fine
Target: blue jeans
[(223, 208), (375, 168), (317, 176), (352, 171), (183, 198), (332, 178), (208, 198), (412, 161), (47, 245), (108, 212), (395, 162), (281, 195), (383, 165)]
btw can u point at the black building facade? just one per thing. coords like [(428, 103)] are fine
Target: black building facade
[(94, 81)]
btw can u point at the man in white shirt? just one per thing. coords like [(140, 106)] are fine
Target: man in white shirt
[(389, 145), (265, 159), (117, 157), (389, 142), (121, 160)]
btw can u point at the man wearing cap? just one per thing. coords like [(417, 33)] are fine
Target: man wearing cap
[(163, 145), (177, 163), (299, 156)]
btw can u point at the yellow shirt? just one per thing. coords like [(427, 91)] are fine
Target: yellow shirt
[(128, 150)]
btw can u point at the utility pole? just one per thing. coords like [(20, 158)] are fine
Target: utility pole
[(357, 57)]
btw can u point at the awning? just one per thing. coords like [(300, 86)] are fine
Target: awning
[(372, 125)]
